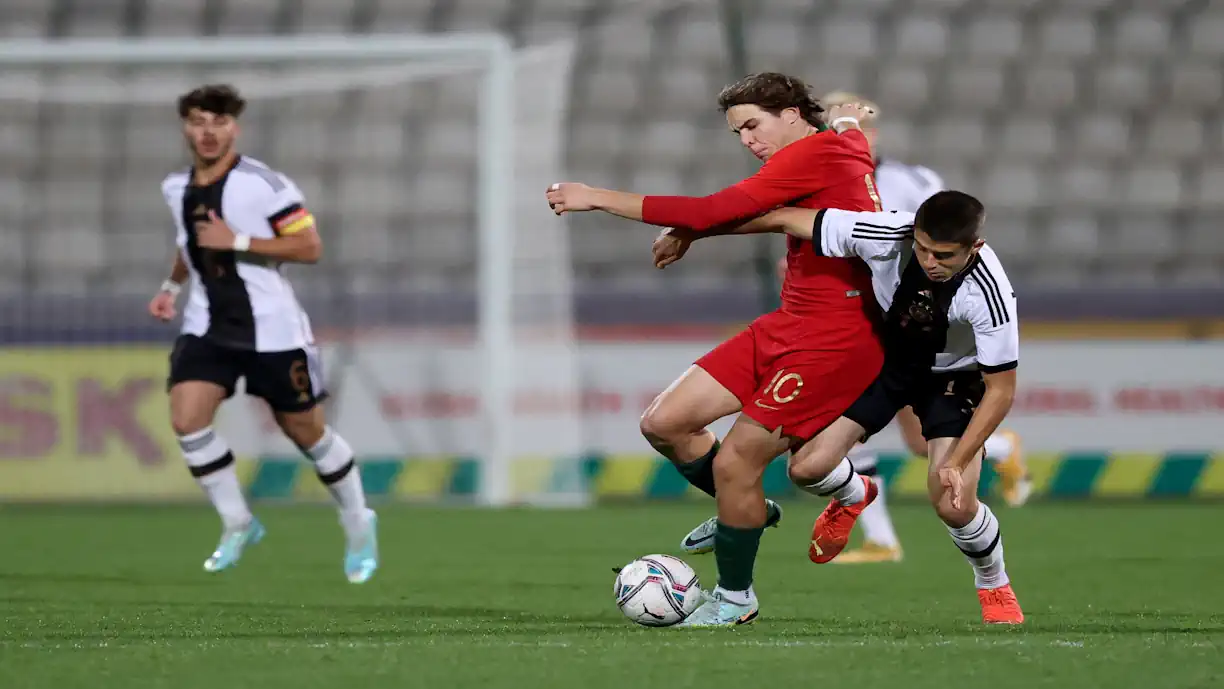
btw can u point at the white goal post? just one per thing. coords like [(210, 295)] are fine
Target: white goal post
[(493, 55)]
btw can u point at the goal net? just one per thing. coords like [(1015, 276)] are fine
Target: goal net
[(443, 302)]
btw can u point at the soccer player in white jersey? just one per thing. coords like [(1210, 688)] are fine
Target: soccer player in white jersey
[(237, 221), (951, 342), (904, 187)]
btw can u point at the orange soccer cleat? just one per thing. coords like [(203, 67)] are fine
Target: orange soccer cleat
[(999, 606), (832, 529)]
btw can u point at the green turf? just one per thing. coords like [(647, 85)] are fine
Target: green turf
[(1116, 596)]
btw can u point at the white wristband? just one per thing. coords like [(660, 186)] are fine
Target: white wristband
[(242, 242), (172, 287), (840, 120)]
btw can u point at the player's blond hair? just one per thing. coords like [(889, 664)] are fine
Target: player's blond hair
[(842, 97)]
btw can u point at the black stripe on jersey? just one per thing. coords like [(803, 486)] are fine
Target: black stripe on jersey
[(263, 173), (999, 368), (818, 232), (890, 228), (231, 317), (990, 290), (881, 235)]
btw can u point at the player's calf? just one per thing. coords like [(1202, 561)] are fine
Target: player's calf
[(975, 531), (821, 468), (211, 463), (336, 467)]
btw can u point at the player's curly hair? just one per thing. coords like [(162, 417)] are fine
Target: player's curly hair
[(951, 216), (773, 92), (219, 99)]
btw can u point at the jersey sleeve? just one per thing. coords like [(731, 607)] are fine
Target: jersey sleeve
[(991, 310), (798, 171), (869, 235), (285, 208)]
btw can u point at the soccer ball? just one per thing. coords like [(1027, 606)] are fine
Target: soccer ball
[(657, 590)]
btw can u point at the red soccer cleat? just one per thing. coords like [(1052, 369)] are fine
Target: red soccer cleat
[(999, 606), (832, 529)]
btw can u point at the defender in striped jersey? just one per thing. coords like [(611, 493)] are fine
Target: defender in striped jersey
[(951, 344), (237, 221), (903, 187)]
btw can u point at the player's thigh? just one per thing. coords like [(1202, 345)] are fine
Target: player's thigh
[(289, 381), (202, 376), (911, 431), (815, 458), (693, 401)]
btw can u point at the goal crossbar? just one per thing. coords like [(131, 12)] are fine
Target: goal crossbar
[(496, 163)]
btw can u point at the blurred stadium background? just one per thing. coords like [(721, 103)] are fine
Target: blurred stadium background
[(1091, 128)]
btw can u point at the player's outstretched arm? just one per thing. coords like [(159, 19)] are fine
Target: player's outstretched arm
[(995, 404)]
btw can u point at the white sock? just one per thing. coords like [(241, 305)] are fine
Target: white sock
[(877, 525), (333, 461), (842, 484), (738, 597), (998, 447), (982, 545), (212, 464)]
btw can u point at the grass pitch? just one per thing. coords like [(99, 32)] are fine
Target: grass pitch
[(1116, 596)]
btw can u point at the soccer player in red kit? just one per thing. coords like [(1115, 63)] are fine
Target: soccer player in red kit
[(792, 371)]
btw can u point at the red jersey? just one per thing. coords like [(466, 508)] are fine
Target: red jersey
[(823, 170)]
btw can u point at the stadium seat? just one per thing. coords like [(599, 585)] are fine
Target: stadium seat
[(1075, 121)]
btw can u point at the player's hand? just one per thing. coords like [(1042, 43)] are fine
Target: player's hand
[(952, 481), (858, 111), (214, 234), (669, 247), (162, 308), (570, 197)]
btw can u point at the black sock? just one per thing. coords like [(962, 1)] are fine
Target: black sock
[(735, 550), (700, 472)]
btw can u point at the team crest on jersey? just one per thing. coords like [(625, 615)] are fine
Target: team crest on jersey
[(921, 310)]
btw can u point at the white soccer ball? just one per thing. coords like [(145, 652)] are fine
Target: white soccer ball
[(657, 590)]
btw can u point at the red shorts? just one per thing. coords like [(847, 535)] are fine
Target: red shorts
[(798, 390)]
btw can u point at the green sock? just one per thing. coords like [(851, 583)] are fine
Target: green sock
[(700, 472), (735, 550)]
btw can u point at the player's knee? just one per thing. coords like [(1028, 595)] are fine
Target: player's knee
[(186, 419), (731, 470), (303, 428), (659, 424), (803, 472)]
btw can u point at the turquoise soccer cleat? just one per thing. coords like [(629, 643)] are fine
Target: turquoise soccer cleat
[(700, 540), (361, 552), (233, 542), (719, 612)]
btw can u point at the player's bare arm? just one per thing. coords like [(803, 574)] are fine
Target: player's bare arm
[(301, 246), (995, 404), (572, 197), (673, 242), (161, 306)]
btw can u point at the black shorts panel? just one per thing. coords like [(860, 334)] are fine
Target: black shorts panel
[(943, 402), (947, 403), (888, 394), (288, 381), (194, 358)]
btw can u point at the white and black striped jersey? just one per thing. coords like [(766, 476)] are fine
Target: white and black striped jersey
[(964, 323), (240, 300), (904, 187)]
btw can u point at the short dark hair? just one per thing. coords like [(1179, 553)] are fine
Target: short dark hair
[(772, 92), (951, 216), (219, 99)]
